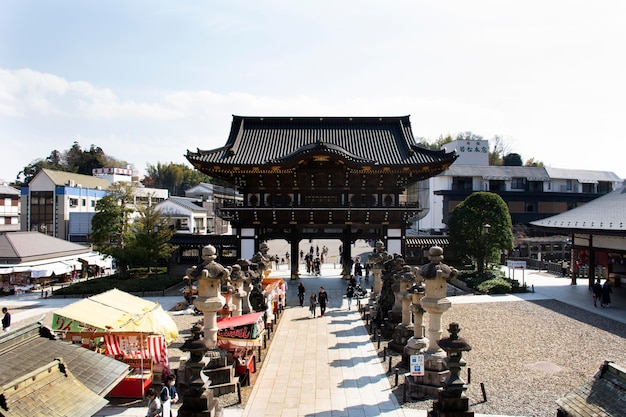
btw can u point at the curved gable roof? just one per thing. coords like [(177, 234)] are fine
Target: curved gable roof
[(266, 140)]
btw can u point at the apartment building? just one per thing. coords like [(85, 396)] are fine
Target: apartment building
[(9, 209), (531, 193)]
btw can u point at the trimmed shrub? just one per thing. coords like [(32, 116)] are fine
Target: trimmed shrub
[(495, 286)]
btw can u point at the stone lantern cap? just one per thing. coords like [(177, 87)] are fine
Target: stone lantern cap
[(454, 343)]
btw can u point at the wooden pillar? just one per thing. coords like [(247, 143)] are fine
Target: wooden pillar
[(294, 259)]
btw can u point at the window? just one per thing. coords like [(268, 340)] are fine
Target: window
[(589, 188), (497, 185), (84, 202), (569, 186), (518, 183), (531, 207), (73, 202), (93, 203), (462, 184)]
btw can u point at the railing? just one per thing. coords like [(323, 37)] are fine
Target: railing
[(326, 205)]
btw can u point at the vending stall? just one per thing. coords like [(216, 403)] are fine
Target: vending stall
[(238, 335), (126, 327)]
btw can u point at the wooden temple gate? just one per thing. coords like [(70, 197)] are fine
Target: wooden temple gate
[(344, 178)]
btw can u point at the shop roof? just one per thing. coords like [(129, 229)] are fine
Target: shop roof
[(73, 385), (20, 247)]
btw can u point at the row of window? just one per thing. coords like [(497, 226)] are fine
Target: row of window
[(522, 184)]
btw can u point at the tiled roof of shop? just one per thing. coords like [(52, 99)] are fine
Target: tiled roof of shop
[(606, 213), (271, 140), (31, 348)]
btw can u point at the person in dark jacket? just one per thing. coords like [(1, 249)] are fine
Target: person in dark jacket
[(606, 294), (597, 292)]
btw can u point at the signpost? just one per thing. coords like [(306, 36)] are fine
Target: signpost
[(517, 265)]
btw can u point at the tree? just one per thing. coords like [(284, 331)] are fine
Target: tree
[(532, 163), (480, 227), (111, 233), (512, 160), (74, 159), (176, 178), (152, 236)]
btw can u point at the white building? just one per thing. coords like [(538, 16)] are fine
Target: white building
[(187, 216), (62, 204), (9, 209), (531, 193)]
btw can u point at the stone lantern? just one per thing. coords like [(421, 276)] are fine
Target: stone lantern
[(237, 281), (198, 400), (403, 331), (451, 399), (210, 275), (436, 275), (416, 344)]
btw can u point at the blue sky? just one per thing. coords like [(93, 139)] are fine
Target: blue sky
[(147, 80)]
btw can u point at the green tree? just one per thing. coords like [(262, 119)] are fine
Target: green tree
[(480, 227), (512, 160), (152, 236), (111, 231), (176, 178), (74, 159)]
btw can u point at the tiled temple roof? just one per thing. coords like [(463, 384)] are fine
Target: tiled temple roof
[(362, 140)]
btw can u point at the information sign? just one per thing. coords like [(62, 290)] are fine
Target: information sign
[(417, 365)]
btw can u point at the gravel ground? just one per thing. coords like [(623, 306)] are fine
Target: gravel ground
[(529, 354)]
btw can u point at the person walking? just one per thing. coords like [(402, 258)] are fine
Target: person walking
[(349, 295), (322, 298), (154, 404), (606, 294), (301, 293), (313, 304), (166, 401), (170, 384), (597, 293), (6, 320)]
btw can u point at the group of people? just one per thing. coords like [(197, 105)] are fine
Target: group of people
[(321, 299), (160, 404), (602, 293)]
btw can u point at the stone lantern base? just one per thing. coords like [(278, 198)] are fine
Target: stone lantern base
[(401, 335)]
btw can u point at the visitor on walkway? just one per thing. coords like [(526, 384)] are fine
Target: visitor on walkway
[(313, 304), (606, 294), (597, 292), (6, 320), (322, 298), (154, 404), (301, 293), (349, 295)]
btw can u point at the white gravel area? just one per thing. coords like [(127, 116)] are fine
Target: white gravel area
[(530, 353)]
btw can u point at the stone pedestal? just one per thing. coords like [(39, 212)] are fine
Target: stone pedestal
[(451, 399), (404, 330)]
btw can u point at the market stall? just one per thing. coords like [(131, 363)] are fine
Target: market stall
[(123, 326)]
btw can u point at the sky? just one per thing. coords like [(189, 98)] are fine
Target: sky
[(147, 80)]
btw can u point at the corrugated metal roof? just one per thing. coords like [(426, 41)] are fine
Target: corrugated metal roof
[(86, 181), (8, 190), (604, 213), (263, 140), (582, 175), (498, 172), (17, 247), (187, 202)]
